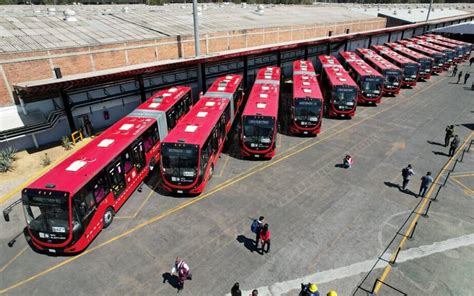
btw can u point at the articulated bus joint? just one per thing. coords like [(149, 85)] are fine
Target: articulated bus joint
[(7, 210)]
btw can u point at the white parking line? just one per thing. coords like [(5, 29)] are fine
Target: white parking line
[(364, 266)]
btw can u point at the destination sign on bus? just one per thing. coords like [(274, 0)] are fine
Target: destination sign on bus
[(258, 122)]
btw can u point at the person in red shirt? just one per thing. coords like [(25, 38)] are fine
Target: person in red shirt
[(265, 238)]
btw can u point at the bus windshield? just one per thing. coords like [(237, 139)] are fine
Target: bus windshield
[(425, 64), (459, 51), (345, 96), (450, 55), (47, 214), (308, 110), (371, 85), (410, 71), (439, 60), (179, 161), (392, 77), (258, 131)]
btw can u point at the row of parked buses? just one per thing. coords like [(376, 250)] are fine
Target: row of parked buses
[(69, 205)]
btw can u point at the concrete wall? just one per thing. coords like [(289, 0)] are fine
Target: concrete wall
[(21, 67)]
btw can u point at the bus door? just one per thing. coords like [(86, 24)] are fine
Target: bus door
[(116, 177), (138, 153)]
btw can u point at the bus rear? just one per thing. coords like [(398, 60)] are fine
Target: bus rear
[(306, 101), (260, 116)]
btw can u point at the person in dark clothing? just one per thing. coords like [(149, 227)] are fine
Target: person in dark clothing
[(265, 237), (455, 70), (425, 183), (257, 231), (459, 77), (454, 146), (466, 77), (471, 60), (406, 175), (449, 134), (235, 291)]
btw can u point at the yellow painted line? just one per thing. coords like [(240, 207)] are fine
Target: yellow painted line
[(462, 175), (41, 172), (140, 207), (461, 184), (188, 203), (223, 166), (388, 268), (13, 259)]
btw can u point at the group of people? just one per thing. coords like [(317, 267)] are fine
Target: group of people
[(309, 289), (454, 143), (408, 172), (262, 234), (466, 76)]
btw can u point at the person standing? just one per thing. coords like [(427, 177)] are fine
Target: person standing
[(407, 172), (425, 183), (471, 60), (459, 77), (310, 289), (265, 237), (455, 70), (466, 77), (256, 227), (449, 134), (235, 291), (182, 270), (347, 162), (454, 146), (254, 292)]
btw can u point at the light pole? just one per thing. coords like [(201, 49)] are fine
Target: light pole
[(429, 10), (197, 45)]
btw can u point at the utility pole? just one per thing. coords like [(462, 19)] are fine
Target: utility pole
[(197, 45)]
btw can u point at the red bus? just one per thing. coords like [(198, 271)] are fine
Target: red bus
[(369, 80), (458, 50), (426, 63), (67, 207), (391, 73), (191, 149), (340, 91), (306, 102), (440, 60), (409, 68), (466, 46), (450, 54), (260, 116)]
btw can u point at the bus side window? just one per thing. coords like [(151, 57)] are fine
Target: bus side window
[(100, 187), (227, 114), (85, 205), (171, 119), (235, 99), (205, 154), (150, 137), (187, 102), (215, 140), (127, 160)]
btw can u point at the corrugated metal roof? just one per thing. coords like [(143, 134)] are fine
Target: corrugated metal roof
[(412, 15), (25, 28), (464, 28)]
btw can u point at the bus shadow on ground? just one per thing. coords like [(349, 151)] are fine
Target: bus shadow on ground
[(469, 125)]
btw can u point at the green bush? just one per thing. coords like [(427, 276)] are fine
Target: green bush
[(45, 160), (65, 142), (7, 156)]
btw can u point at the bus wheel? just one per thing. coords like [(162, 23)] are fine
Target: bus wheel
[(108, 217)]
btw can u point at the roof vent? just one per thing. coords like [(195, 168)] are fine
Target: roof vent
[(105, 143), (191, 128), (307, 90), (304, 77), (173, 89), (51, 10), (264, 96), (202, 114), (125, 9), (166, 94), (126, 127), (305, 83), (265, 87), (154, 105), (244, 5), (50, 185), (261, 105), (228, 77), (260, 9), (69, 15), (268, 77), (210, 104), (75, 166)]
